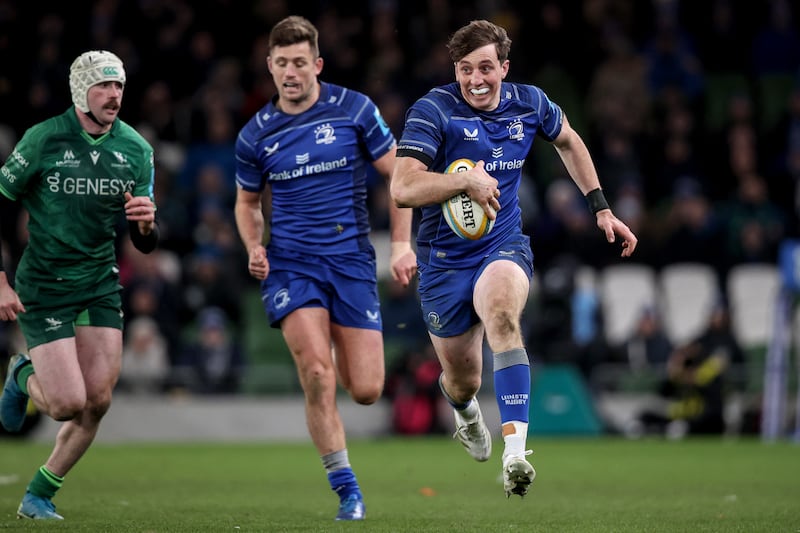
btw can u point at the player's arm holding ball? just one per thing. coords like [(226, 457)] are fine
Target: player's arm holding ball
[(414, 186)]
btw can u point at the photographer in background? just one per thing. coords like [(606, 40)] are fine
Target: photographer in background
[(696, 385)]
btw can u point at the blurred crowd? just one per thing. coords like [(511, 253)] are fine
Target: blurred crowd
[(690, 109)]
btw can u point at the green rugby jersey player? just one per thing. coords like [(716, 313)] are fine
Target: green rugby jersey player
[(75, 174)]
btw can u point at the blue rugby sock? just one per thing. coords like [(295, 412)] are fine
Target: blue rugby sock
[(340, 474), (512, 385), (343, 482)]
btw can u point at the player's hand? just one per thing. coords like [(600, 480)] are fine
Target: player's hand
[(612, 226), (257, 263), (10, 304), (139, 208), (403, 262), (482, 188)]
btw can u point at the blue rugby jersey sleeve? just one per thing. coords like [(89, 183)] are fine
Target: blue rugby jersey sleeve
[(551, 114), (248, 172), (423, 131), (377, 137)]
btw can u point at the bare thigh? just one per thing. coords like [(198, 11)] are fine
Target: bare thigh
[(360, 361), (499, 297), (80, 371), (100, 357), (307, 334), (58, 376)]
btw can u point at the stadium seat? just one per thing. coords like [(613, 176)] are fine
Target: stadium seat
[(624, 290), (687, 292), (752, 289)]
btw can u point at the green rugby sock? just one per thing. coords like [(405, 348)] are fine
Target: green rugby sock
[(45, 483), (23, 373)]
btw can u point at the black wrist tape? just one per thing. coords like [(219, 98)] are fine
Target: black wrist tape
[(597, 200), (143, 243)]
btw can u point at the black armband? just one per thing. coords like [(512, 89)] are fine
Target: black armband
[(143, 243), (597, 200), (1, 255)]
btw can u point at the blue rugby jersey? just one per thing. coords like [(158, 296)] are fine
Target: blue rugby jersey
[(315, 164), (441, 127)]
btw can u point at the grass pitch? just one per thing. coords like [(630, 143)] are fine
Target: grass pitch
[(419, 484)]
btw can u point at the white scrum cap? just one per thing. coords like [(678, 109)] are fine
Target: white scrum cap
[(91, 68)]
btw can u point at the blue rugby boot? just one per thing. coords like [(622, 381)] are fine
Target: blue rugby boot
[(37, 508), (14, 402), (352, 508)]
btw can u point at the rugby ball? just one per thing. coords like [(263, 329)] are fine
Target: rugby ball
[(465, 217)]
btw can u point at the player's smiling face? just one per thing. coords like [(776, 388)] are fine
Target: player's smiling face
[(294, 70), (480, 74)]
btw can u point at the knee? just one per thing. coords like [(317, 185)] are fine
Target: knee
[(98, 407), (65, 409), (69, 409), (505, 323), (503, 331), (317, 380), (463, 389), (367, 394)]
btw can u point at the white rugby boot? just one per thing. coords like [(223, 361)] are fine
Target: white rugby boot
[(474, 436), (518, 474)]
